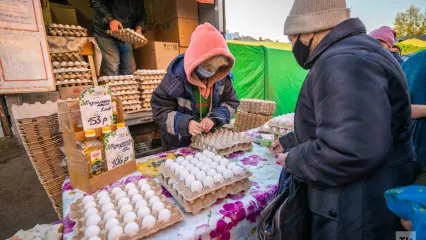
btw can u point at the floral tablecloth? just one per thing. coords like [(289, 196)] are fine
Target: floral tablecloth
[(234, 217)]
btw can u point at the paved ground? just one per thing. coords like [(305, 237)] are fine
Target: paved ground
[(23, 201)]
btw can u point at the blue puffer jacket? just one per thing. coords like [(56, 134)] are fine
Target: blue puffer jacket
[(353, 129), (173, 105)]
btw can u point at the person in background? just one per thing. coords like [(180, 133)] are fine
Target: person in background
[(352, 137), (197, 92), (117, 56), (386, 36), (396, 49)]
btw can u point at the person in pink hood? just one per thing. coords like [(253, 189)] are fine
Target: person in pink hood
[(386, 36), (196, 94)]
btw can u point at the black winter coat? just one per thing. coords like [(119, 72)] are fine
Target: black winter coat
[(352, 126)]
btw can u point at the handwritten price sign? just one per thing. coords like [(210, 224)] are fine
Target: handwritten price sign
[(96, 107), (119, 149)]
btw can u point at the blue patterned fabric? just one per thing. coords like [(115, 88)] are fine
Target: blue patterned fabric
[(409, 203)]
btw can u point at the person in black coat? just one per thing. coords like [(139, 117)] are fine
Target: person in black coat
[(352, 137)]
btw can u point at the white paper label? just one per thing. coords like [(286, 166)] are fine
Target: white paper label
[(96, 108), (118, 148)]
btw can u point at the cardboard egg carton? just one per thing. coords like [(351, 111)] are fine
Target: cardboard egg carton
[(65, 64), (258, 106), (128, 36), (285, 121), (152, 81), (78, 214), (67, 30), (66, 57), (71, 70), (121, 83), (149, 72), (205, 202), (74, 82), (129, 97), (132, 107), (245, 120), (146, 96), (130, 102), (148, 86), (125, 92), (106, 79), (125, 87), (222, 142), (72, 75)]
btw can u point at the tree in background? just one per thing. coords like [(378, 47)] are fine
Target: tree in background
[(411, 22)]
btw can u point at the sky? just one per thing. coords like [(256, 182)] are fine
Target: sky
[(265, 18)]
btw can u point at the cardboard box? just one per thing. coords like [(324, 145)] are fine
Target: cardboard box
[(63, 14), (167, 10), (182, 50), (43, 97), (71, 92), (156, 55), (178, 30)]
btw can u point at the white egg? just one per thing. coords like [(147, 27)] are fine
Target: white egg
[(173, 166), (93, 220), (194, 171), (231, 165), (221, 169), (228, 174), (95, 238), (189, 180), (185, 163), (199, 165), (206, 152), (142, 182), (102, 194), (92, 231), (211, 155), (107, 206), (200, 176), (120, 195), (90, 204), (202, 158), (182, 175), (205, 167), (148, 222), (198, 154), (129, 217), (164, 215), (194, 161), (110, 214), (125, 209), (136, 198), (178, 170), (88, 198), (218, 178), (123, 202), (217, 158), (115, 233), (211, 172), (237, 170), (158, 206), (224, 162), (140, 203), (145, 187), (153, 199), (189, 157), (149, 194), (208, 161), (214, 165), (180, 159), (116, 190), (104, 200), (208, 182), (89, 212), (132, 192), (168, 163), (196, 186), (111, 223), (130, 185), (131, 228), (143, 211)]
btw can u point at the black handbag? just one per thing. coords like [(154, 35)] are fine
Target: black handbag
[(287, 217)]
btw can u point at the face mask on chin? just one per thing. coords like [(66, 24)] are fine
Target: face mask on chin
[(301, 51)]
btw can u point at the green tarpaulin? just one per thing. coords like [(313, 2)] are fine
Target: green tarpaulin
[(267, 73)]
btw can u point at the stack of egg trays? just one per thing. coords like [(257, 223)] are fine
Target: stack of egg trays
[(196, 202), (67, 30), (258, 106), (72, 73), (245, 121), (148, 82), (124, 87), (128, 36), (66, 57)]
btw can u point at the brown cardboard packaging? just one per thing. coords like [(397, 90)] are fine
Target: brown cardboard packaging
[(156, 55), (178, 30), (182, 50), (167, 10), (63, 14), (76, 161), (71, 92), (42, 97)]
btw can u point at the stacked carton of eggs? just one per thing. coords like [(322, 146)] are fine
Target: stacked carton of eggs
[(196, 182), (148, 82), (131, 211), (66, 57), (282, 125), (67, 30), (124, 87), (258, 106), (72, 73), (128, 35), (253, 113), (222, 142)]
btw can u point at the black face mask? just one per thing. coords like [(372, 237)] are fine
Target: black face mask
[(301, 51)]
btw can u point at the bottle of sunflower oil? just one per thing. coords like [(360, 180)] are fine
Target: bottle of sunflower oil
[(114, 110), (105, 132), (92, 150)]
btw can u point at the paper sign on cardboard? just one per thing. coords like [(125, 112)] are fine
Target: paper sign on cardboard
[(118, 148), (96, 107)]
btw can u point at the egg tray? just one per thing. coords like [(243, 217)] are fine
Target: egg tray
[(146, 106), (185, 191), (128, 36), (71, 70), (245, 120), (129, 97), (258, 106), (116, 78), (67, 30), (79, 82), (148, 87), (130, 102), (122, 83), (205, 202), (148, 91), (73, 75), (151, 81), (125, 92), (69, 56), (149, 72), (132, 107), (77, 215), (65, 64), (125, 87), (146, 96)]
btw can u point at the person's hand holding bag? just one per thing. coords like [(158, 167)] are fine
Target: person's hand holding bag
[(194, 128)]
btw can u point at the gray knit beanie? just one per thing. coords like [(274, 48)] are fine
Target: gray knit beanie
[(309, 16)]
